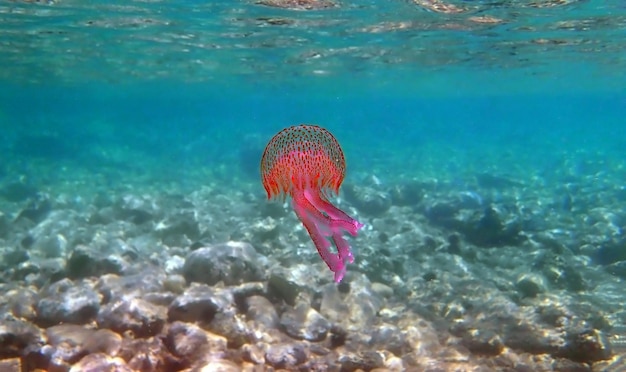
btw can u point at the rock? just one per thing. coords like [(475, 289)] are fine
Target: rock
[(443, 213), (287, 284), (253, 353), (617, 268), (215, 309), (103, 216), (67, 302), (53, 246), (10, 365), (20, 301), (99, 362), (551, 242), (357, 309), (112, 287), (66, 345), (61, 357), (136, 209), (492, 229), (260, 310), (50, 270), (338, 336), (242, 291), (286, 355), (16, 335), (191, 343), (558, 272), (103, 341), (530, 285), (163, 299), (72, 334), (14, 257), (365, 361), (407, 194), (181, 223), (265, 230), (199, 303), (232, 326), (470, 200), (528, 339), (87, 261), (389, 337), (39, 272), (175, 284), (218, 365), (553, 314), (482, 342), (174, 264), (52, 236), (136, 315), (37, 208), (567, 365), (231, 262), (586, 346), (610, 252), (150, 355), (382, 290), (382, 266), (454, 244), (367, 200), (304, 323)]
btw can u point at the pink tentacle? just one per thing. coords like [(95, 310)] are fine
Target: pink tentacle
[(323, 220), (343, 249), (338, 217), (304, 211)]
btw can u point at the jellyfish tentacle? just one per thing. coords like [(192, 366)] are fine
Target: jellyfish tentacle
[(338, 217), (303, 210), (324, 205), (343, 249)]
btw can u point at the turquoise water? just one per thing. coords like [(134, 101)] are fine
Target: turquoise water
[(160, 98), (393, 80)]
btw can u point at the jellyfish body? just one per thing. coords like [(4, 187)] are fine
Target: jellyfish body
[(307, 163)]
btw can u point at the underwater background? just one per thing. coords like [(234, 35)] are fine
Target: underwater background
[(484, 143)]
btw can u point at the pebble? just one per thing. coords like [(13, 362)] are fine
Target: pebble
[(304, 323), (131, 314), (231, 263), (286, 355), (67, 302)]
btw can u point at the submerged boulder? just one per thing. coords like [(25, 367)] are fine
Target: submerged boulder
[(67, 302), (231, 263)]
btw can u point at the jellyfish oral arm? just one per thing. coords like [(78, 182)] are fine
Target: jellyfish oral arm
[(334, 263), (338, 217), (309, 206)]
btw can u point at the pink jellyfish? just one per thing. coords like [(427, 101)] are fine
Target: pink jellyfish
[(305, 162)]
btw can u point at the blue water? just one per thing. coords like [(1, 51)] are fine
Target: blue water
[(173, 96), (203, 125), (388, 80)]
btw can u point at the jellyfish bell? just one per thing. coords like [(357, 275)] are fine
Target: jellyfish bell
[(305, 162)]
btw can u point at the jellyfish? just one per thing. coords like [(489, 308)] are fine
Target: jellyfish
[(306, 163)]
